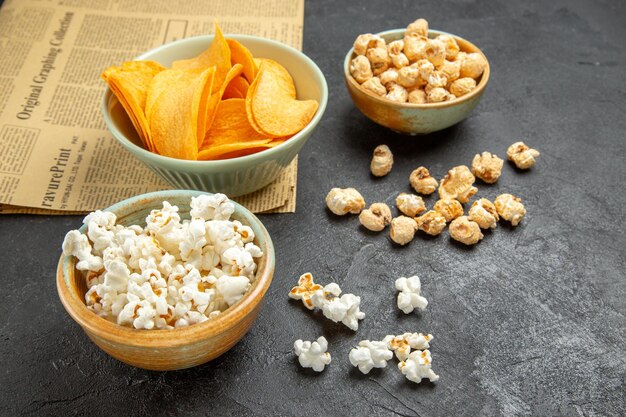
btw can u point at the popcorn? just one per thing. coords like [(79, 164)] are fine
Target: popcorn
[(172, 273), (522, 155), (466, 231), (370, 355), (344, 309), (211, 207), (304, 290), (510, 208), (410, 297), (376, 218), (76, 244), (410, 204), (403, 343), (418, 366), (312, 354), (382, 161), (408, 64), (342, 201)]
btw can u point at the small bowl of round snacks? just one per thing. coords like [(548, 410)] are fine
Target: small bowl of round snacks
[(217, 113), (166, 280), (415, 80)]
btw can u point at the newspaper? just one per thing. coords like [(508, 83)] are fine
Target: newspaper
[(56, 155)]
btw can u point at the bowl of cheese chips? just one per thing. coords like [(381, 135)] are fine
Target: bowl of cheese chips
[(217, 113)]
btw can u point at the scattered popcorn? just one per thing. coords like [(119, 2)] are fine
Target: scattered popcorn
[(410, 296), (487, 167), (382, 161), (458, 184), (344, 308), (342, 201), (449, 208), (521, 155), (484, 213), (376, 218), (418, 366), (402, 230), (403, 343), (312, 354), (510, 208), (305, 289), (172, 273), (431, 222), (408, 64), (465, 231), (422, 181), (368, 355), (410, 204)]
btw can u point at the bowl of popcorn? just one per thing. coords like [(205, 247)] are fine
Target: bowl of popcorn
[(217, 113), (415, 80), (166, 280)]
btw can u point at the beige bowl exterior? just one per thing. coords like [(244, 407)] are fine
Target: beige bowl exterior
[(415, 119), (181, 347)]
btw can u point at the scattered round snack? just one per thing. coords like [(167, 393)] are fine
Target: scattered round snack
[(422, 181), (484, 213), (376, 218), (522, 155), (449, 208), (487, 167), (510, 208), (465, 231), (312, 354), (458, 184), (382, 161), (431, 223), (415, 69), (410, 295), (410, 204), (402, 230), (342, 201), (170, 273)]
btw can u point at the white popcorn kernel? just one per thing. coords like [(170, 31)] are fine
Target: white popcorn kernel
[(211, 207), (76, 244), (239, 261), (99, 225), (312, 355), (418, 366), (403, 343), (117, 275), (344, 309), (305, 290), (232, 288), (166, 228), (370, 355), (410, 297), (193, 242)]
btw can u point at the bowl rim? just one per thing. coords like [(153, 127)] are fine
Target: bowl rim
[(163, 338), (476, 91), (109, 97)]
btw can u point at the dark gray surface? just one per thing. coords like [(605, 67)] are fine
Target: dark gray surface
[(528, 322)]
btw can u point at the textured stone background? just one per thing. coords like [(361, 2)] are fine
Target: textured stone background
[(528, 322)]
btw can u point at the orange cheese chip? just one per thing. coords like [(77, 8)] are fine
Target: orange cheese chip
[(218, 55), (130, 83), (272, 105), (230, 131), (239, 54), (173, 117), (237, 88)]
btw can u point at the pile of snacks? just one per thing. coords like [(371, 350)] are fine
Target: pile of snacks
[(415, 69), (455, 189), (171, 273), (415, 365), (220, 104)]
